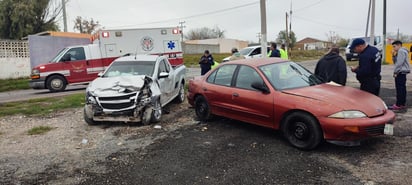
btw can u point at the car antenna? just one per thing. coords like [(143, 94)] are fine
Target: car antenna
[(135, 53)]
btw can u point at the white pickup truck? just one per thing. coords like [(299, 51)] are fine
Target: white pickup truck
[(134, 89)]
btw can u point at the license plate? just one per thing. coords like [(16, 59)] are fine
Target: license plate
[(388, 129)]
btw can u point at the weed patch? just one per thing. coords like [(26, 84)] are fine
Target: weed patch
[(39, 130), (42, 106)]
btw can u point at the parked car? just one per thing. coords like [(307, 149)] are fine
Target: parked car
[(283, 95), (133, 89), (249, 52)]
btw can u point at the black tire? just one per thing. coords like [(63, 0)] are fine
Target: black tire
[(88, 120), (302, 130), (157, 112), (56, 83), (180, 98), (202, 109)]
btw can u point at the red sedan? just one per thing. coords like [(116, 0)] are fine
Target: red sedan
[(283, 95)]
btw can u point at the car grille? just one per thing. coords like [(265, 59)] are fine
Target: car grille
[(118, 102), (375, 130)]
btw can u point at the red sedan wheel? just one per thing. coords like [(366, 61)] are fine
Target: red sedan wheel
[(202, 108), (302, 131)]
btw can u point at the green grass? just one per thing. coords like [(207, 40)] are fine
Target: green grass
[(42, 106), (39, 130), (299, 56), (14, 84), (192, 60)]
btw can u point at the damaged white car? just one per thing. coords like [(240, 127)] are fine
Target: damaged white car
[(134, 89)]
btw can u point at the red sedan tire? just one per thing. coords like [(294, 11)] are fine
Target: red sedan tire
[(202, 109), (302, 130)]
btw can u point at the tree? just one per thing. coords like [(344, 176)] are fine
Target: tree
[(282, 38), (342, 42), (85, 26), (205, 33), (19, 18), (332, 37), (399, 36)]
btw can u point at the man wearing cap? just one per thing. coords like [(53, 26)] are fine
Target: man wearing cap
[(368, 72)]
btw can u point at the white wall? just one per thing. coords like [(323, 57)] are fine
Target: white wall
[(14, 68), (225, 45)]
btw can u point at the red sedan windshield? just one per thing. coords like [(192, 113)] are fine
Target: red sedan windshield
[(288, 75)]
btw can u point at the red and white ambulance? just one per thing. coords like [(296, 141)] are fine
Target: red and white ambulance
[(81, 64)]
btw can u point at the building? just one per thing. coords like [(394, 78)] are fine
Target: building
[(312, 44), (221, 45)]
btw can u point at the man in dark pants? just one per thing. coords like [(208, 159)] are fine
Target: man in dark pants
[(206, 62), (401, 60), (368, 72)]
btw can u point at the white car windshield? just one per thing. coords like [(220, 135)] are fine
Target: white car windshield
[(245, 51), (289, 75), (128, 68)]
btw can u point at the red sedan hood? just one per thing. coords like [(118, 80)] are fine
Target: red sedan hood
[(347, 98)]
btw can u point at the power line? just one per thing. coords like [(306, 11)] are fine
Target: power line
[(324, 24), (314, 4), (196, 15)]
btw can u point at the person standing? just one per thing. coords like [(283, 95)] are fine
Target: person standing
[(368, 72), (206, 62), (332, 67), (273, 51), (283, 52), (400, 58), (236, 55)]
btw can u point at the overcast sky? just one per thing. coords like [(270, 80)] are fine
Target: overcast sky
[(240, 19)]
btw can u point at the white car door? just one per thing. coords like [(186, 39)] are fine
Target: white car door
[(165, 83)]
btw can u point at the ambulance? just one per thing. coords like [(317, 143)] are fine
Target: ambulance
[(81, 64)]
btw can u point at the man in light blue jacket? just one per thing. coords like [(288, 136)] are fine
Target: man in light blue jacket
[(401, 60)]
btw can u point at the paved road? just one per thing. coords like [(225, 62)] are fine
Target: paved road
[(21, 95), (190, 73)]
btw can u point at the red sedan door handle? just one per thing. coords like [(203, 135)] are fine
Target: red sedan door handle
[(235, 94)]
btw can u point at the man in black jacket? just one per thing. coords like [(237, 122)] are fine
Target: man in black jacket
[(206, 62), (368, 72), (332, 67)]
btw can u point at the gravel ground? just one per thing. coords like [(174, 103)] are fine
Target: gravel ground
[(73, 152), (60, 155)]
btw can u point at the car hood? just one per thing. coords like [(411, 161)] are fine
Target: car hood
[(114, 85), (343, 97)]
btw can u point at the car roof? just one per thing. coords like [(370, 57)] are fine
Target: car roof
[(257, 61), (138, 58)]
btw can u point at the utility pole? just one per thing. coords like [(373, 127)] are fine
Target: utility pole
[(397, 35), (263, 28), (259, 36), (64, 15), (372, 38), (181, 26), (287, 31), (290, 25), (367, 21), (384, 32)]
